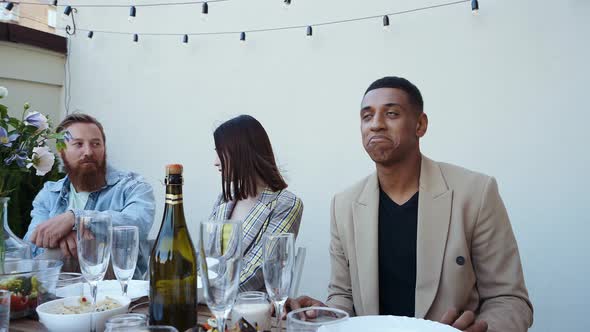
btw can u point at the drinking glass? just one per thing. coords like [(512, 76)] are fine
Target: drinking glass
[(153, 328), (278, 258), (94, 235), (312, 318), (69, 284), (125, 322), (124, 253), (220, 261), (4, 310), (255, 308)]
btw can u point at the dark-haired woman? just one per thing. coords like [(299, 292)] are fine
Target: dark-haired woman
[(253, 191)]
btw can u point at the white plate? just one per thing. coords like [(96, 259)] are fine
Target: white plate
[(387, 324), (135, 290)]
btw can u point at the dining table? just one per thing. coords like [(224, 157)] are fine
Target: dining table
[(141, 305)]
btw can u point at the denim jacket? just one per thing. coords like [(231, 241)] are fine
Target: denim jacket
[(127, 197)]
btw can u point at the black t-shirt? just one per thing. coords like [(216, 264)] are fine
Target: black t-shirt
[(398, 226)]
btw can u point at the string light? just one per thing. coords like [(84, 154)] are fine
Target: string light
[(204, 11), (474, 7), (67, 12), (8, 8), (135, 37), (385, 20), (90, 34), (132, 13), (386, 23), (102, 5), (185, 39)]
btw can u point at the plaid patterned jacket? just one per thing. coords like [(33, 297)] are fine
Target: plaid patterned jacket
[(274, 212)]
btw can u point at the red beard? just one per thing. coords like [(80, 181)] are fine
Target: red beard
[(88, 175)]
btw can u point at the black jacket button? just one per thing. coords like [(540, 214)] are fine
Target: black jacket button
[(460, 260)]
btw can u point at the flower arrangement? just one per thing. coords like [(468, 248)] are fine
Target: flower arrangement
[(23, 149), (23, 145)]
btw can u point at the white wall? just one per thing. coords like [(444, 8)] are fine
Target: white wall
[(505, 93), (32, 75)]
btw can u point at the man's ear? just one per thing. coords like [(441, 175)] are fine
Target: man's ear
[(422, 124)]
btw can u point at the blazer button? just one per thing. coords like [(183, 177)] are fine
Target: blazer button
[(460, 260)]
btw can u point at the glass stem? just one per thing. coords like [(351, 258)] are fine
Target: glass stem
[(220, 323), (278, 312), (124, 284), (93, 291)]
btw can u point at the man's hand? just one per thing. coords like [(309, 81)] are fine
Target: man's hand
[(68, 245), (49, 233), (465, 322), (302, 302)]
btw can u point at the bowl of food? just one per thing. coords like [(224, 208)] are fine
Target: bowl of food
[(31, 281), (72, 314)]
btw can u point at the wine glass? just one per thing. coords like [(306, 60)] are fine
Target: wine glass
[(94, 235), (220, 261), (300, 321), (278, 259), (124, 253)]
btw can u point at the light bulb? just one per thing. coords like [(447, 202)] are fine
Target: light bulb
[(132, 14), (386, 23)]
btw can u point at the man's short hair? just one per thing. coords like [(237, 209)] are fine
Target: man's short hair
[(403, 84), (80, 118)]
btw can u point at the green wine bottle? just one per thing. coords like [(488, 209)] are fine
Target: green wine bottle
[(173, 263)]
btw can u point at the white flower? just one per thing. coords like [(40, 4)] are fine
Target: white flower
[(42, 160), (3, 92), (38, 120)]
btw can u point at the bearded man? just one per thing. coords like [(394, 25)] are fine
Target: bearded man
[(90, 184)]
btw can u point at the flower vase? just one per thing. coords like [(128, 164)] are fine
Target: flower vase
[(11, 246)]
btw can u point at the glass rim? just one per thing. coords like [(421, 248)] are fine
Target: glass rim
[(93, 214), (221, 222), (51, 264), (252, 295), (279, 235), (303, 322), (125, 227), (122, 317), (72, 275)]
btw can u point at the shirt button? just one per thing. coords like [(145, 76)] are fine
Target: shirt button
[(460, 260)]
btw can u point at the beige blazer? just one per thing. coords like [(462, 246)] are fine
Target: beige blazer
[(460, 214)]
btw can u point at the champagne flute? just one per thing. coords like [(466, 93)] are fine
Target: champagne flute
[(124, 253), (278, 254), (220, 261), (94, 235)]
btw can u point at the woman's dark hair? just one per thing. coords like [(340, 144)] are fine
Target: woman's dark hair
[(245, 153)]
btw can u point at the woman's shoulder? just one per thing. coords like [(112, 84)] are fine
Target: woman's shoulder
[(286, 197)]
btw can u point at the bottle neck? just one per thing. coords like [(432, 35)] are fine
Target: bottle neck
[(174, 190), (174, 210)]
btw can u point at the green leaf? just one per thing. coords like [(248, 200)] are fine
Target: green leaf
[(14, 123), (3, 111), (60, 146)]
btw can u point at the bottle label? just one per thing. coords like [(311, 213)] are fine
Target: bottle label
[(173, 199)]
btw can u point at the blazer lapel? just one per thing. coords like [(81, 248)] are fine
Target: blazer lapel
[(365, 219), (256, 218), (434, 215)]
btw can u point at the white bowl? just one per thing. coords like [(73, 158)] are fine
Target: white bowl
[(78, 322)]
